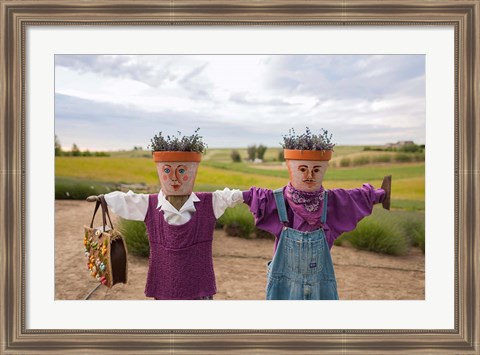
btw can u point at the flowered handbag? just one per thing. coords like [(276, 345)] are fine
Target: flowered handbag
[(105, 249)]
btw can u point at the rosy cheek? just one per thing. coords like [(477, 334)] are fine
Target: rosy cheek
[(185, 178), (164, 177)]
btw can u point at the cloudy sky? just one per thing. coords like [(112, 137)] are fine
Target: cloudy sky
[(110, 102)]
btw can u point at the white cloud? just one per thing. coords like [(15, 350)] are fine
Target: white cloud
[(240, 99)]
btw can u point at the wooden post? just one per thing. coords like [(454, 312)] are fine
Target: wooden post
[(177, 201)]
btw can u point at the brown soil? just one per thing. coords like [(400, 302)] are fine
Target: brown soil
[(240, 267)]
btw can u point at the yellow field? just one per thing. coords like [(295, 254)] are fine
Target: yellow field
[(408, 179)]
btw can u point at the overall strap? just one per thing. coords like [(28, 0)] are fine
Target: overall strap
[(281, 208), (325, 205)]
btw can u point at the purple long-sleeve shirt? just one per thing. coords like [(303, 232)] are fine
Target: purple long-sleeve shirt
[(345, 209)]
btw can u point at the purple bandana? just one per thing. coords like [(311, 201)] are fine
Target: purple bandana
[(305, 204)]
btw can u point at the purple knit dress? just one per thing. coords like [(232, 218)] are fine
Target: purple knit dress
[(181, 263)]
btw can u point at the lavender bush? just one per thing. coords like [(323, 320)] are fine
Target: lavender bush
[(308, 140), (192, 143)]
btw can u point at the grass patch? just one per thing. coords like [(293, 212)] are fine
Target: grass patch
[(387, 232), (345, 162), (369, 173), (408, 205), (78, 174), (373, 235), (245, 169), (414, 228), (118, 170), (238, 222), (75, 189), (384, 232), (237, 180), (135, 234), (419, 156), (139, 170), (399, 171), (409, 189), (403, 157), (343, 150), (384, 158), (361, 160)]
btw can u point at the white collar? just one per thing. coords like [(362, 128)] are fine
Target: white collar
[(165, 205)]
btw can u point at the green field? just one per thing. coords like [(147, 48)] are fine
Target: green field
[(217, 171)]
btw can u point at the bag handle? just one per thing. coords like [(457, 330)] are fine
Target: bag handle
[(101, 202), (97, 205)]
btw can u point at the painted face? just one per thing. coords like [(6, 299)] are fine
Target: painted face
[(177, 178), (307, 175)]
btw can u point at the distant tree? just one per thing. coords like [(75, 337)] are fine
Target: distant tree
[(251, 152), (281, 156), (235, 155), (261, 149), (87, 153), (75, 150), (58, 147)]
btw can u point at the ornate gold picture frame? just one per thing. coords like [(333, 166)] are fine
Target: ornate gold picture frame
[(18, 15)]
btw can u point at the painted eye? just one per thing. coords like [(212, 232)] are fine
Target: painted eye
[(181, 171), (303, 170), (166, 170), (316, 170)]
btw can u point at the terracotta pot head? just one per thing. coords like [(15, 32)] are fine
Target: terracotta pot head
[(307, 168), (177, 172)]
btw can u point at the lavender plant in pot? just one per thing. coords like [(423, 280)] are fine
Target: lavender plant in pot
[(177, 159), (307, 156)]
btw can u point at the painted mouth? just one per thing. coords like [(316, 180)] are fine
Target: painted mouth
[(309, 182), (176, 187)]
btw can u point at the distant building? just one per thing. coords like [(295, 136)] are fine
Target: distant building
[(401, 143)]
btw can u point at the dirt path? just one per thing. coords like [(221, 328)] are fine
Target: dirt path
[(240, 267)]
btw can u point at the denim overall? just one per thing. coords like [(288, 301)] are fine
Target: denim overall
[(302, 267)]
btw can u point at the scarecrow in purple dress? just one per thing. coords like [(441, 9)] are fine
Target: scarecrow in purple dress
[(306, 219), (179, 222)]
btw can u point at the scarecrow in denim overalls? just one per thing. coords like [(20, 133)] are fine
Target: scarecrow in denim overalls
[(306, 219)]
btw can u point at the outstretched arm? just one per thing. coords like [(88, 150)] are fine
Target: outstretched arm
[(347, 207), (261, 203), (94, 198), (223, 199), (127, 205)]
